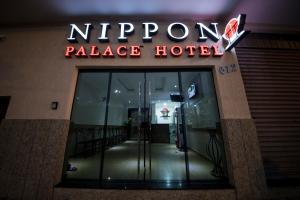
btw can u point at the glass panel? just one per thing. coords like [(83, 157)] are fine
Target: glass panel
[(147, 120), (82, 159), (124, 152), (166, 157), (204, 137)]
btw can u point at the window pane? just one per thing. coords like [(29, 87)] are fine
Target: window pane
[(151, 118), (83, 153), (166, 155), (204, 138), (123, 156)]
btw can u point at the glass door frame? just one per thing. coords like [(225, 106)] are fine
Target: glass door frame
[(146, 184)]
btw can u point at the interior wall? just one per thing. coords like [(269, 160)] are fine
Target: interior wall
[(197, 141), (95, 114), (201, 110), (90, 114)]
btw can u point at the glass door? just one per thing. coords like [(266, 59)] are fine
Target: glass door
[(145, 128), (153, 149), (165, 143), (123, 157)]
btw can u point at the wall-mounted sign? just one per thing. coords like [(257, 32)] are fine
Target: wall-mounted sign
[(176, 32), (165, 112), (160, 51), (234, 31), (192, 91)]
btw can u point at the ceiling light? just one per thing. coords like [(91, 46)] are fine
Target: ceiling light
[(117, 91)]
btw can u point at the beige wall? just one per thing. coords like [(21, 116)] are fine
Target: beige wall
[(34, 71)]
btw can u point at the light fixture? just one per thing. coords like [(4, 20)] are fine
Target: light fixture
[(54, 105), (117, 91)]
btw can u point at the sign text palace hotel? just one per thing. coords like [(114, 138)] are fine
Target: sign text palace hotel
[(233, 34)]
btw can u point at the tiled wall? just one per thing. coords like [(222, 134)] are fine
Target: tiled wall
[(31, 157), (32, 154)]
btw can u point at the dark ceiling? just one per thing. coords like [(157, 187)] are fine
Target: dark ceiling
[(283, 13)]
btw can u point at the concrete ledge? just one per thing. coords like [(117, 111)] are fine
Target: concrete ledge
[(98, 194)]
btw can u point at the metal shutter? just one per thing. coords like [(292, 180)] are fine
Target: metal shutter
[(272, 81)]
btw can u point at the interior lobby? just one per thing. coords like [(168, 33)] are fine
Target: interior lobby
[(133, 127)]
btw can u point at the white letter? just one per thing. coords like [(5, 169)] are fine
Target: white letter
[(212, 35), (85, 35), (103, 37), (149, 32), (125, 32), (182, 27)]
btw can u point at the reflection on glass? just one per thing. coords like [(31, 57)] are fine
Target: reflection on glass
[(166, 155), (155, 122), (123, 156), (204, 138), (83, 152)]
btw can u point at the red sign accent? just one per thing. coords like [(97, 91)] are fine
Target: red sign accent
[(94, 51), (176, 51), (160, 51), (216, 52), (231, 28), (69, 50), (191, 50), (81, 52), (135, 51), (204, 50), (108, 53), (122, 51)]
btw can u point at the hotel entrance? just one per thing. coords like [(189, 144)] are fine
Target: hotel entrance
[(151, 119), (145, 128)]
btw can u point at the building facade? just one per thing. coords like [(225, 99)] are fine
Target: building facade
[(141, 125)]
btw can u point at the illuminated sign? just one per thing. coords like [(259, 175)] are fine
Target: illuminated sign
[(176, 32), (150, 29), (134, 51), (192, 91), (234, 31)]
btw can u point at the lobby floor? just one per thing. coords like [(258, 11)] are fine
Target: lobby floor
[(121, 163)]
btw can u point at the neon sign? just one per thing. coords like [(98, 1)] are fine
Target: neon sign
[(234, 31), (176, 32)]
